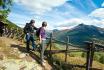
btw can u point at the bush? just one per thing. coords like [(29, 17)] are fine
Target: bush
[(83, 54), (96, 57), (101, 60)]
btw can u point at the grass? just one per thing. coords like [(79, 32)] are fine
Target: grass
[(75, 58), (6, 49)]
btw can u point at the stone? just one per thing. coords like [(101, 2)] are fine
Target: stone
[(22, 55), (2, 56), (11, 65)]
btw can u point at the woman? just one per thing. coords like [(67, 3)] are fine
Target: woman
[(42, 39)]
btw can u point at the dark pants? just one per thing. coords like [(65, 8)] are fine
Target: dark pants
[(28, 40)]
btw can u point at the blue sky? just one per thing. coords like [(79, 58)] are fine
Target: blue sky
[(59, 14)]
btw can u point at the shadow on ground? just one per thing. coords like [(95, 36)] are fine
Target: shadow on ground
[(31, 53)]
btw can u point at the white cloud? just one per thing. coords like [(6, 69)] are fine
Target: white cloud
[(21, 20), (70, 22), (67, 24), (40, 6), (64, 23), (56, 17), (102, 4), (98, 13)]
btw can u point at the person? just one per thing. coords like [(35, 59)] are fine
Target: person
[(42, 40), (30, 34), (1, 29)]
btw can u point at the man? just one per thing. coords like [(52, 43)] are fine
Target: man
[(30, 34), (42, 39)]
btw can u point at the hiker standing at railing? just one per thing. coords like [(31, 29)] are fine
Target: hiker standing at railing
[(29, 31), (42, 38)]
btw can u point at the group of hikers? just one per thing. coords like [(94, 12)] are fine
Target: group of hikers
[(30, 31)]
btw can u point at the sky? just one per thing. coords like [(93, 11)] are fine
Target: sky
[(59, 14)]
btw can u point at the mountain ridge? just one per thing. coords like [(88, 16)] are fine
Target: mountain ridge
[(81, 33)]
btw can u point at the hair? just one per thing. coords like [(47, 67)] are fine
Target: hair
[(44, 24), (32, 21)]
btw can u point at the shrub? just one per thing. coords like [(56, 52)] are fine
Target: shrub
[(83, 54), (96, 57), (101, 59)]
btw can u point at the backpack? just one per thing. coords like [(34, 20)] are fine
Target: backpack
[(38, 32), (26, 28)]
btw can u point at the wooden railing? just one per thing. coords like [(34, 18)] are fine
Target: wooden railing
[(90, 49)]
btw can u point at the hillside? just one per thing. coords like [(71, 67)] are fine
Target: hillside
[(81, 33), (10, 24)]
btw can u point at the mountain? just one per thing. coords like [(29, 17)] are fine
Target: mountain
[(80, 33)]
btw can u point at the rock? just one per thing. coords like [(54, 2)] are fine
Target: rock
[(15, 64), (2, 56), (19, 52), (1, 66), (15, 49), (11, 65), (22, 67), (22, 55)]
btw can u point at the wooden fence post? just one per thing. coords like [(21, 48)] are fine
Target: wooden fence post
[(66, 48), (92, 54), (51, 35), (50, 54), (88, 56)]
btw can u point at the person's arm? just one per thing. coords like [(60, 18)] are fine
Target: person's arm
[(40, 39), (35, 28), (40, 33)]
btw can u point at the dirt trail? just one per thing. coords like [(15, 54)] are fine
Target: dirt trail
[(13, 56)]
